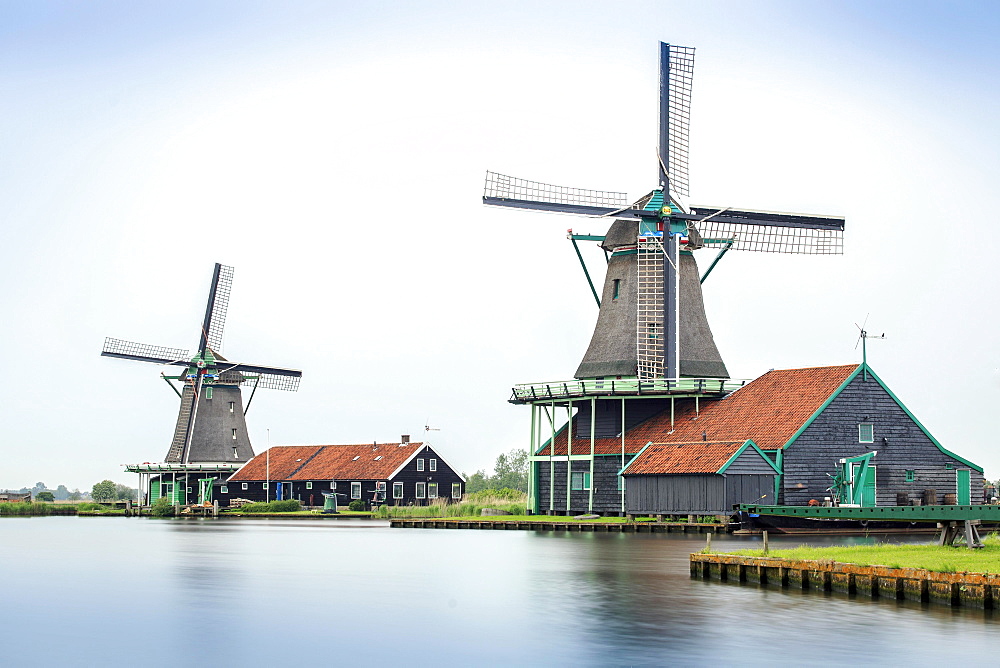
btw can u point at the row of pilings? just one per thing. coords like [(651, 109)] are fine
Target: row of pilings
[(974, 590)]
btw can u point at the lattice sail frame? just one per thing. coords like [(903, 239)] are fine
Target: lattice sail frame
[(649, 332), (502, 186), (271, 381), (124, 348), (771, 238), (217, 323), (676, 78)]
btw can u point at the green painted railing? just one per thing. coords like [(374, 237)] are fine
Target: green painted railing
[(179, 468), (885, 513), (529, 392)]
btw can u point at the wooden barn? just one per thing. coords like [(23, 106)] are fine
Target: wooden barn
[(699, 478), (805, 420), (401, 473)]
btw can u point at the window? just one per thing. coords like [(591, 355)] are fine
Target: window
[(421, 487), (208, 393), (456, 490), (432, 490), (433, 464), (420, 465), (232, 406), (949, 466), (236, 453), (580, 481), (264, 485), (910, 477), (244, 485), (397, 490), (224, 489), (333, 484), (380, 487), (234, 434), (309, 484), (617, 284), (378, 457), (189, 490), (866, 432), (356, 458), (355, 490)]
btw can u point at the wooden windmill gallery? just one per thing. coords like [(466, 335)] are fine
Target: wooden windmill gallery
[(651, 422)]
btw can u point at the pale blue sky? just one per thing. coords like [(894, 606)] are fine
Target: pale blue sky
[(334, 154)]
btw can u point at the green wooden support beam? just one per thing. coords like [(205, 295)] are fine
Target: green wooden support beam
[(718, 257), (573, 238)]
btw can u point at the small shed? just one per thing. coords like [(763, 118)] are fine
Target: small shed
[(698, 478)]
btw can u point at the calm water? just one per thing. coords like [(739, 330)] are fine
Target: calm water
[(284, 592)]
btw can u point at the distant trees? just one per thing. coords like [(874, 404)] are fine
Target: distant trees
[(103, 491), (510, 471), (45, 495), (107, 491)]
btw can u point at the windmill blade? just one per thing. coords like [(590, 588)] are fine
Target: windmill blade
[(676, 76), (272, 378), (143, 352), (767, 231), (215, 311), (502, 190)]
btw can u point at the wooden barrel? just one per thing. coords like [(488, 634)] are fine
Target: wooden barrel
[(902, 499), (950, 500), (930, 497)]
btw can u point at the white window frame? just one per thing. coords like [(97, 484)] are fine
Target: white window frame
[(861, 435), (397, 490), (432, 490), (309, 484), (264, 485), (246, 485), (380, 486), (421, 490), (333, 485), (420, 464), (232, 406), (583, 477), (432, 464), (234, 434), (456, 490), (356, 486), (224, 489)]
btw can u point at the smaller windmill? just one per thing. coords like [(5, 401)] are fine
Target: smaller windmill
[(211, 425)]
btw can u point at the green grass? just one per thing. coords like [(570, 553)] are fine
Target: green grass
[(950, 559)]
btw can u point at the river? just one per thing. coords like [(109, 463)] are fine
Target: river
[(230, 592)]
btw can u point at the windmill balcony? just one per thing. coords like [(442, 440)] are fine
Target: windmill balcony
[(593, 387)]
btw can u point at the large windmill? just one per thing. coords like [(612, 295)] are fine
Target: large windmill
[(652, 322), (211, 431), (652, 350)]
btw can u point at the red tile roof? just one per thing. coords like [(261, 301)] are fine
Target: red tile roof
[(696, 457), (767, 411), (329, 462)]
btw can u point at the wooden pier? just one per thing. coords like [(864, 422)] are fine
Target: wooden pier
[(974, 590), (548, 525)]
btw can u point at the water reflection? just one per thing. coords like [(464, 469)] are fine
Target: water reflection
[(249, 592)]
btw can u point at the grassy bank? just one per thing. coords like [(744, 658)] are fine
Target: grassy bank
[(949, 559), (471, 505)]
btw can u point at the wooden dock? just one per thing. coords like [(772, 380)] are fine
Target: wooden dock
[(549, 525), (974, 590)]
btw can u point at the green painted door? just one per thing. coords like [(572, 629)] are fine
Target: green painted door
[(868, 491), (154, 490), (963, 479)]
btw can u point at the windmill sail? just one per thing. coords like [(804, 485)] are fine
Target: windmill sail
[(676, 75), (215, 310), (767, 232), (503, 190)]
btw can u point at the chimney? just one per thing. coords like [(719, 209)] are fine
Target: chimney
[(405, 438)]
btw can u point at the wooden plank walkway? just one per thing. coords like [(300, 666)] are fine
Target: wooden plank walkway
[(549, 525)]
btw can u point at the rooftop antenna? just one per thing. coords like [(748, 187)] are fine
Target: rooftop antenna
[(863, 337), (428, 427)]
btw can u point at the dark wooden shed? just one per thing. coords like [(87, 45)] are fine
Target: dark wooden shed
[(697, 478)]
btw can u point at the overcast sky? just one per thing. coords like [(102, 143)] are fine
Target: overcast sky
[(334, 154)]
